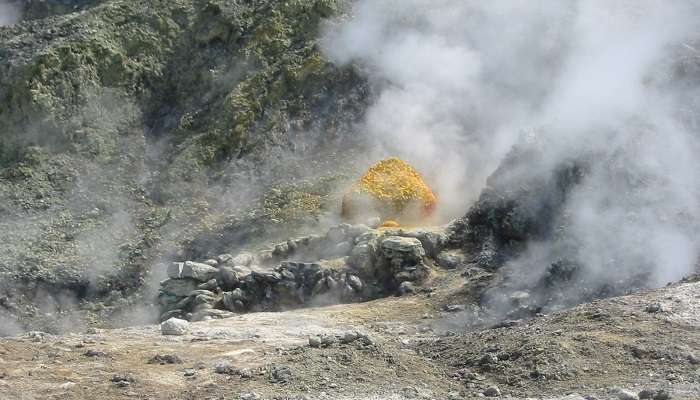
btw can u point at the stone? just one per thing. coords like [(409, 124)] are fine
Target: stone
[(454, 307), (224, 259), (227, 278), (175, 326), (692, 359), (164, 359), (243, 259), (178, 287), (189, 372), (174, 270), (280, 374), (622, 394), (350, 336), (328, 340), (662, 395), (646, 394), (224, 367), (362, 258), (401, 244), (67, 386), (492, 391), (208, 285), (406, 288), (211, 262), (314, 341), (198, 271), (449, 259), (234, 299), (355, 283), (654, 308)]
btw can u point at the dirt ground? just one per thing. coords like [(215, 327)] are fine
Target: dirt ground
[(644, 341)]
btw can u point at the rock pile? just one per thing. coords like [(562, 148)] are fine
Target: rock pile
[(351, 263)]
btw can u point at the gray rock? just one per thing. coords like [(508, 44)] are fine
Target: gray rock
[(224, 259), (403, 245), (654, 308), (175, 326), (250, 396), (234, 300), (328, 340), (355, 283), (406, 288), (224, 367), (208, 285), (646, 394), (227, 278), (342, 249), (314, 341), (662, 395), (178, 287), (454, 307), (243, 259), (175, 270), (362, 258), (189, 372), (211, 262), (692, 359), (623, 394), (198, 271), (492, 391), (350, 336), (450, 259)]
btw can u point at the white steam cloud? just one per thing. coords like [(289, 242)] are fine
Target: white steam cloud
[(460, 82), (10, 12)]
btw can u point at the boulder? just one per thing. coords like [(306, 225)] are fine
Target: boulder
[(174, 270), (175, 326), (243, 259), (199, 271), (178, 287)]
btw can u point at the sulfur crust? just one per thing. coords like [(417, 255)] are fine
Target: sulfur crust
[(394, 181)]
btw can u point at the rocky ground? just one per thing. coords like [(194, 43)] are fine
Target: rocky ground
[(424, 345)]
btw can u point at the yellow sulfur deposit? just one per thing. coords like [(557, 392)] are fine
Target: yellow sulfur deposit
[(390, 189)]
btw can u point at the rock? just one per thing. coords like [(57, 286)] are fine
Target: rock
[(406, 288), (67, 386), (449, 259), (249, 396), (243, 259), (314, 341), (646, 394), (175, 326), (95, 353), (164, 359), (654, 308), (244, 373), (175, 270), (623, 394), (198, 271), (405, 245), (224, 259), (208, 285), (692, 359), (350, 336), (178, 287), (362, 258), (123, 379), (227, 278), (224, 367), (280, 374), (492, 391), (662, 395), (454, 307), (211, 262), (189, 372), (234, 300), (355, 283), (328, 340)]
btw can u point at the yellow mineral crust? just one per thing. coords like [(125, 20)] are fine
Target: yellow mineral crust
[(397, 192)]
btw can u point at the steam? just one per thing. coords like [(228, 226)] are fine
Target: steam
[(10, 12), (459, 83)]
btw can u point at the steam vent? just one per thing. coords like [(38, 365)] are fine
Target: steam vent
[(391, 190)]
